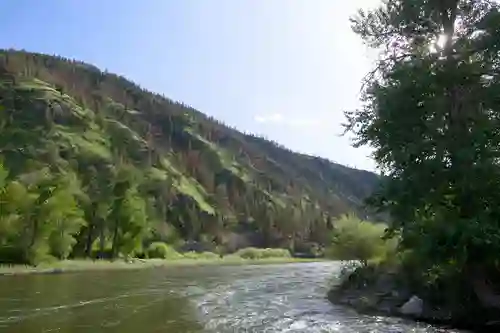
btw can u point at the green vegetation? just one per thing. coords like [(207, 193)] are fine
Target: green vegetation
[(160, 250), (430, 111), (253, 253), (93, 166), (64, 266), (355, 239), (200, 255), (159, 255)]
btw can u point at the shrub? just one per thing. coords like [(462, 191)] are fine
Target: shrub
[(161, 250), (61, 245), (275, 253), (355, 239), (248, 253), (254, 253), (200, 255)]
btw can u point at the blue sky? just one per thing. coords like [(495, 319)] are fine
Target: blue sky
[(285, 69)]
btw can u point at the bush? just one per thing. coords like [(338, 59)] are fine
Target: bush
[(61, 245), (247, 253), (200, 255), (254, 253), (161, 250), (275, 253), (355, 239)]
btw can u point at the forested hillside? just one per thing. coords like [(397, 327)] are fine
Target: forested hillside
[(92, 163)]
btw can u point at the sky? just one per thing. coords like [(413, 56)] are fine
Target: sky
[(284, 69)]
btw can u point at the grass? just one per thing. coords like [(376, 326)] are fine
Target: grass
[(191, 188), (188, 187), (80, 265)]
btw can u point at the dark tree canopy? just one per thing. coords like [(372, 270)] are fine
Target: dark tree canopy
[(431, 111)]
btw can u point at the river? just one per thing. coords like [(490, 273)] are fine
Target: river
[(267, 298)]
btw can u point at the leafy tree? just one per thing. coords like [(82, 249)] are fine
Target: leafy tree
[(430, 111), (66, 219), (98, 187), (128, 213), (355, 239), (134, 222), (11, 195), (39, 214)]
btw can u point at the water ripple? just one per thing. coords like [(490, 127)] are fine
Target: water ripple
[(290, 298), (274, 299)]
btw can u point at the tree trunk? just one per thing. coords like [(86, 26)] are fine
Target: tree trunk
[(89, 241), (114, 246), (101, 239)]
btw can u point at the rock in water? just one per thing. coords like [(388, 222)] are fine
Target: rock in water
[(413, 307)]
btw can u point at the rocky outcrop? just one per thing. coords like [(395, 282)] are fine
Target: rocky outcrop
[(377, 291), (369, 293), (414, 307)]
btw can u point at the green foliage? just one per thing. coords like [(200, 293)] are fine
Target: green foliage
[(98, 167), (254, 253), (67, 219), (201, 255), (162, 251), (275, 253), (131, 220), (430, 112), (355, 239), (40, 215)]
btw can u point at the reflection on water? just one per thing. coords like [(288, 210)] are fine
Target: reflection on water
[(274, 298)]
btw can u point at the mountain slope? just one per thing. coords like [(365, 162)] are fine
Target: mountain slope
[(199, 178)]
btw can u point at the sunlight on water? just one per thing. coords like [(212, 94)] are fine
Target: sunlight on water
[(288, 300)]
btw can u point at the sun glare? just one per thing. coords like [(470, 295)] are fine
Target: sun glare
[(441, 41), (438, 43)]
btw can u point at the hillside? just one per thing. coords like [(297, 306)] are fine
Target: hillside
[(141, 167)]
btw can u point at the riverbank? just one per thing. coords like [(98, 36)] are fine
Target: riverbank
[(67, 266), (389, 291)]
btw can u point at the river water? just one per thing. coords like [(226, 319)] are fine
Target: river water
[(268, 298)]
